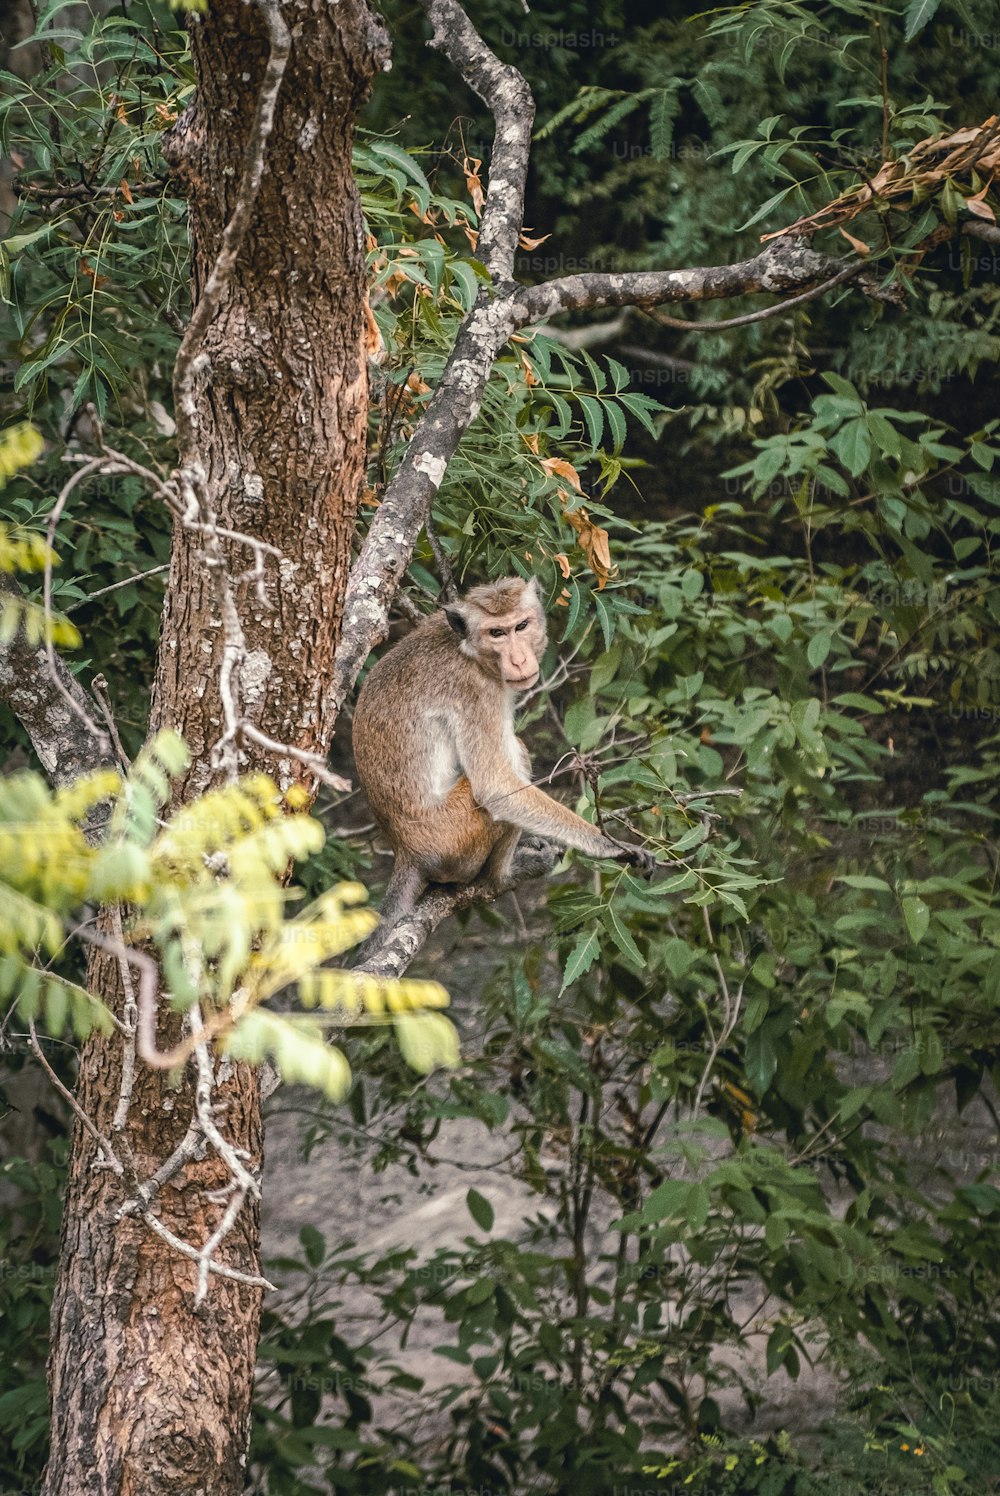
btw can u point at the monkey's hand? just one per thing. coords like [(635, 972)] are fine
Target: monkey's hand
[(638, 858)]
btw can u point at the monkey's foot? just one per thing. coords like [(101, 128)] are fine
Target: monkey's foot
[(534, 858)]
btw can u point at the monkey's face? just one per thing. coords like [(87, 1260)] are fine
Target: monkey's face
[(515, 645), (507, 643)]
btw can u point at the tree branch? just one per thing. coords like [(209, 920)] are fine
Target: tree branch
[(391, 954), (779, 309), (506, 94), (795, 267), (400, 517)]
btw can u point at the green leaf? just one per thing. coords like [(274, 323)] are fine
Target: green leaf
[(761, 1060), (621, 937), (765, 208), (853, 446), (781, 1350), (17, 242), (817, 649), (480, 1210), (670, 1200), (859, 702), (918, 14), (917, 917), (932, 1052), (581, 958), (426, 1041), (401, 159), (843, 388), (313, 1244), (693, 837), (678, 955), (662, 113), (464, 282), (885, 435), (594, 416)]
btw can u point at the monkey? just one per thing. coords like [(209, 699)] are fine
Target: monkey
[(436, 754)]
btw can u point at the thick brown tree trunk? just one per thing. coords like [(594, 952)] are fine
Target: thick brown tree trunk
[(151, 1394)]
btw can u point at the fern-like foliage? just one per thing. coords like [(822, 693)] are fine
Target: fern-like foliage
[(205, 889)]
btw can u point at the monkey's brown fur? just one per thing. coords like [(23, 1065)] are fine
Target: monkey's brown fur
[(434, 744)]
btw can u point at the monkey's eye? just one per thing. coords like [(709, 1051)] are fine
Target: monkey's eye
[(522, 625), (497, 633)]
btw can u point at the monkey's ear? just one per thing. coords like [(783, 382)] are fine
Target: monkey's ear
[(534, 587), (456, 618)]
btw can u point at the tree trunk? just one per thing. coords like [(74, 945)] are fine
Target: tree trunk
[(149, 1393)]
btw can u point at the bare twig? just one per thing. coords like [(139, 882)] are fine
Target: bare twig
[(404, 602), (222, 1230), (114, 587), (731, 1004), (111, 1159), (130, 1020), (99, 688), (196, 1254), (316, 764), (146, 999), (448, 589), (191, 1146), (203, 1107)]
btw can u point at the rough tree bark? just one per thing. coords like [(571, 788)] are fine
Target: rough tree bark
[(150, 1393)]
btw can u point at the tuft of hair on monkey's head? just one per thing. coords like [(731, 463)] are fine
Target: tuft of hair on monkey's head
[(501, 597)]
